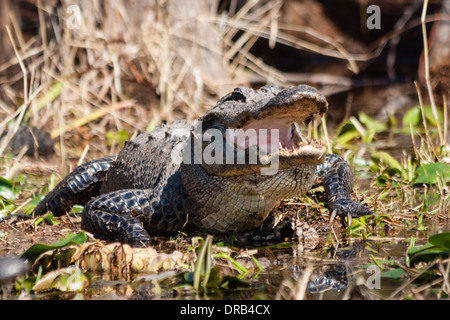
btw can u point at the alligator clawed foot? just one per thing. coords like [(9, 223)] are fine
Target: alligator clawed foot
[(349, 208)]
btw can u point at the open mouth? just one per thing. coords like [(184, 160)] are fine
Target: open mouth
[(263, 130), (280, 135), (270, 136)]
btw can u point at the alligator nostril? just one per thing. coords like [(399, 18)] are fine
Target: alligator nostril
[(237, 95)]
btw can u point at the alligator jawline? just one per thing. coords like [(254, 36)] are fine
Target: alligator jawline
[(278, 137)]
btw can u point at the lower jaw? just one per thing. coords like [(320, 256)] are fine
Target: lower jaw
[(248, 207)]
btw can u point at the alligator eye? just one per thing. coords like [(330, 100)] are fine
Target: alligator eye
[(237, 95)]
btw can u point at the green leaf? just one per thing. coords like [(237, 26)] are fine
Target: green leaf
[(344, 138), (412, 116), (120, 137), (393, 274), (428, 173), (438, 246), (429, 255), (214, 279), (414, 250), (6, 207), (373, 126), (428, 111), (77, 208), (47, 218), (37, 249), (441, 240), (387, 159), (188, 276), (382, 180), (7, 190), (346, 134)]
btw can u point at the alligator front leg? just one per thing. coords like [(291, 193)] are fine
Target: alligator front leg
[(78, 187), (337, 179), (119, 215)]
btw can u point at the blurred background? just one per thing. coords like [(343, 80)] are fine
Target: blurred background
[(91, 73)]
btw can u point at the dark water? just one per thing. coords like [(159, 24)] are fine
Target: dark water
[(343, 270)]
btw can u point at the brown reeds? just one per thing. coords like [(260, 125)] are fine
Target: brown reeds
[(130, 65)]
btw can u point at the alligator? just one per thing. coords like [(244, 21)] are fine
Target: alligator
[(223, 174)]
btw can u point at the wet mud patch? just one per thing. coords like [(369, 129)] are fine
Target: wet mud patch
[(18, 235)]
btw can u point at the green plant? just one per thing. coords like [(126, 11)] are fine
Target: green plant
[(437, 246)]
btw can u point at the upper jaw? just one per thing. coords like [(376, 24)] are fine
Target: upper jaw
[(299, 103), (294, 104), (272, 134)]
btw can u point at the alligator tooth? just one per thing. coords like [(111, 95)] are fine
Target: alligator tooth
[(303, 139), (296, 134), (322, 154)]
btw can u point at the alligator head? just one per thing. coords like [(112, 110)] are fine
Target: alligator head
[(250, 129)]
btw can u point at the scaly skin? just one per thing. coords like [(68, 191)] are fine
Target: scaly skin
[(77, 188), (148, 190), (337, 179)]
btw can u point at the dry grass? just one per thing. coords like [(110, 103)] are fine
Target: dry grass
[(100, 66)]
